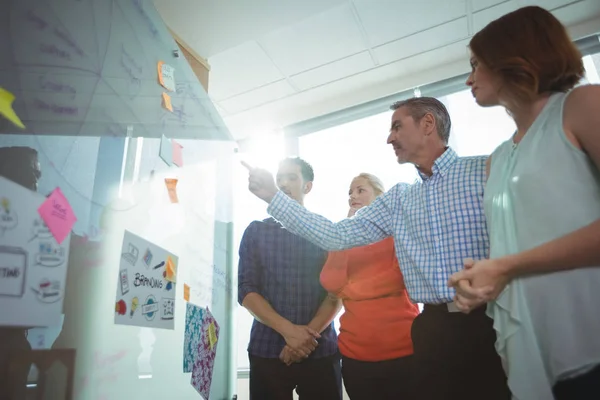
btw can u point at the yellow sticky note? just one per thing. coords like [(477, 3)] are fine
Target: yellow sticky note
[(212, 335), (186, 292), (166, 102), (171, 270), (6, 101)]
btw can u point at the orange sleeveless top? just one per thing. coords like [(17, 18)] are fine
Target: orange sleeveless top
[(378, 313)]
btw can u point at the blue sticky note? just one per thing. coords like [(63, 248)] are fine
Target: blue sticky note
[(193, 331), (166, 150)]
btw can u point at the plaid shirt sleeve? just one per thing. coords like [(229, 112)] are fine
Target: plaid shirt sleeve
[(249, 270), (370, 224)]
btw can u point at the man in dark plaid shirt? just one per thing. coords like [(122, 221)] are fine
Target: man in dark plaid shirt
[(293, 344)]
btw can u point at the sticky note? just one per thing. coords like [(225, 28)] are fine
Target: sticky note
[(58, 215), (172, 189), (171, 270), (166, 102), (212, 335), (6, 102), (166, 76), (186, 292), (177, 153), (166, 150)]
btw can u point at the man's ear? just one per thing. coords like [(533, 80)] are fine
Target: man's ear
[(428, 122), (307, 187)]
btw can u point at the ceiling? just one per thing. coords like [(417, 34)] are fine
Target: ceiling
[(278, 62)]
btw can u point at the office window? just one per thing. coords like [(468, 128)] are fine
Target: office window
[(264, 152)]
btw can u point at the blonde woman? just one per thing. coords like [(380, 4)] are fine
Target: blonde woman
[(374, 340)]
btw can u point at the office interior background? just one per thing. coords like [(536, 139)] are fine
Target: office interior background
[(315, 78)]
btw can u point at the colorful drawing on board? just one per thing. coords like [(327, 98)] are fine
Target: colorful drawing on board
[(58, 215), (142, 288), (50, 254), (8, 217), (33, 265), (147, 258), (202, 372), (131, 255), (193, 332), (121, 307), (134, 305), (167, 308), (150, 308)]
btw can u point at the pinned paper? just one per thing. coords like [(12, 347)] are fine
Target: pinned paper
[(172, 189), (177, 153), (166, 102), (6, 101), (171, 270), (58, 215), (194, 316), (166, 76), (186, 292), (166, 150), (212, 335), (202, 372)]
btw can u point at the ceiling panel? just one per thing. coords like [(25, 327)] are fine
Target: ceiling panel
[(336, 70), (484, 17), (578, 11), (477, 5), (386, 21), (427, 40), (262, 95), (547, 4), (240, 69), (318, 40), (221, 25)]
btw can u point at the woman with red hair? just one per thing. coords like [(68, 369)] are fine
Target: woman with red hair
[(542, 204)]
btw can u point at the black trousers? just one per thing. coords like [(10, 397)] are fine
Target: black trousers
[(313, 379), (584, 387), (381, 380), (455, 357)]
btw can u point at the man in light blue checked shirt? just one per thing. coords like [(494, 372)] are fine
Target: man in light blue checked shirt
[(437, 223)]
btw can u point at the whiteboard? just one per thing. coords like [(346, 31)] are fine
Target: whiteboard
[(89, 67)]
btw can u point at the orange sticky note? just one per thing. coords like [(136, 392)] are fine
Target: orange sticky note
[(172, 189), (166, 102), (186, 292), (171, 270), (160, 74)]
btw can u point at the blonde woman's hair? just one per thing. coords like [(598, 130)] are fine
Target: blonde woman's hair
[(374, 181)]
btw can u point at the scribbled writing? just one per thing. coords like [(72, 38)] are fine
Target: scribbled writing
[(141, 280), (7, 272), (54, 108), (68, 41), (187, 89), (55, 51), (139, 6), (39, 22), (132, 68), (52, 86)]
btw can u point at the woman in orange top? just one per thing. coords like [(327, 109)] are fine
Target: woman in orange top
[(375, 328)]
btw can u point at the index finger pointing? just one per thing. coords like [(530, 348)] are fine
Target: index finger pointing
[(248, 166)]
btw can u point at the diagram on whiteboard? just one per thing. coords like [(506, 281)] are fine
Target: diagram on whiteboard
[(33, 265), (145, 288)]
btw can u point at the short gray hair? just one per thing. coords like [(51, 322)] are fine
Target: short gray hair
[(419, 106)]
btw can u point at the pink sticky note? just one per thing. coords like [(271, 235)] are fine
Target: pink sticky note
[(177, 153), (58, 215)]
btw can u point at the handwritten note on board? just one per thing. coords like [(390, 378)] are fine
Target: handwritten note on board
[(177, 153), (58, 215), (166, 150), (166, 76), (172, 189), (166, 102), (6, 110)]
